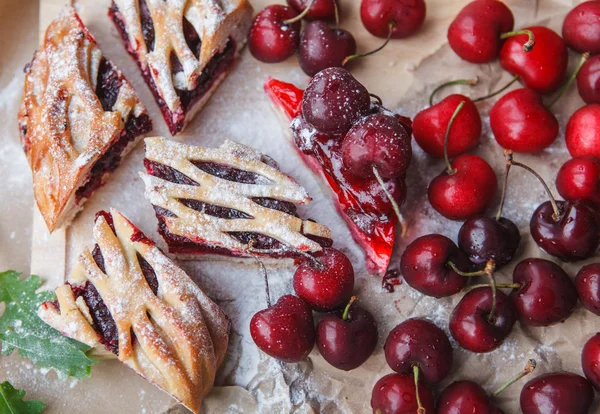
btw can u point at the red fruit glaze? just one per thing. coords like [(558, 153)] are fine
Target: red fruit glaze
[(271, 41), (581, 28), (319, 10), (462, 397), (543, 68), (407, 15), (583, 132), (430, 125), (474, 34), (587, 283), (467, 192), (590, 360), (522, 123), (327, 288), (579, 179), (588, 80), (557, 393), (395, 394)]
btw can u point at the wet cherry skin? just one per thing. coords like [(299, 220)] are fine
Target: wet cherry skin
[(464, 397), (588, 80), (579, 179), (590, 360), (319, 10), (583, 132), (323, 47), (580, 27), (419, 342), (587, 283), (269, 39), (407, 16), (474, 34), (547, 295), (425, 267), (557, 393), (395, 394), (430, 125), (285, 330)]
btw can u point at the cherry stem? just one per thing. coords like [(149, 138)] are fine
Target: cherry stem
[(263, 270), (300, 16), (498, 286), (451, 170), (393, 202), (347, 308), (490, 266), (465, 274), (504, 186), (377, 98), (555, 208), (283, 249), (502, 89), (420, 408), (572, 78), (531, 364), (361, 55), (471, 82), (527, 46), (336, 11)]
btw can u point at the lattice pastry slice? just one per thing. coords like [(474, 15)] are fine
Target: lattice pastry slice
[(228, 201), (79, 116), (128, 299), (184, 48)]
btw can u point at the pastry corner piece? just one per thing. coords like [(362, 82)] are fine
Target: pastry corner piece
[(184, 48), (79, 116), (228, 201), (128, 299)]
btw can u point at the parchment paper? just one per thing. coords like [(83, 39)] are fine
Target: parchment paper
[(403, 75)]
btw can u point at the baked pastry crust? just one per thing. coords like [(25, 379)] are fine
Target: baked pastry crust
[(156, 34), (227, 191), (174, 336), (65, 128)]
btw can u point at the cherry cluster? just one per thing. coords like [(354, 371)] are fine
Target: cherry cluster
[(277, 33)]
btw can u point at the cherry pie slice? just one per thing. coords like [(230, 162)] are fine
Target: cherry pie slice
[(227, 201), (79, 117), (361, 201), (184, 48), (127, 299)]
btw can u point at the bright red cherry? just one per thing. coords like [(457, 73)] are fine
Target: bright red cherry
[(580, 28), (464, 190), (326, 283), (347, 339), (425, 266), (285, 330), (395, 394), (546, 296), (590, 360), (319, 10), (430, 125), (520, 122), (587, 283), (464, 397), (579, 179), (588, 80), (405, 17), (583, 132), (322, 47), (476, 326), (270, 39), (557, 393), (543, 68)]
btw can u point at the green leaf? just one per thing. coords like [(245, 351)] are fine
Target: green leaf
[(22, 329), (11, 401)]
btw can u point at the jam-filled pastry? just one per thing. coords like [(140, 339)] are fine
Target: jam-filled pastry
[(79, 117), (184, 48), (227, 201), (127, 299)]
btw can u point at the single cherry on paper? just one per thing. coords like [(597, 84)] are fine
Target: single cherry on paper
[(402, 18), (560, 392), (396, 394), (590, 360), (587, 283), (579, 179), (580, 27), (275, 34), (323, 47), (588, 80), (317, 10), (583, 132)]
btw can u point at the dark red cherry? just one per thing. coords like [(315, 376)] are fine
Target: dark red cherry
[(270, 40), (323, 47), (425, 266), (587, 283), (546, 296), (463, 397), (590, 360), (541, 69), (429, 127), (334, 101), (327, 283), (285, 330), (579, 179), (572, 235), (395, 394), (418, 342), (466, 192), (319, 10), (557, 393), (473, 326), (485, 238), (520, 122), (405, 16), (588, 80), (347, 338), (381, 141), (580, 28), (583, 132), (474, 34)]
